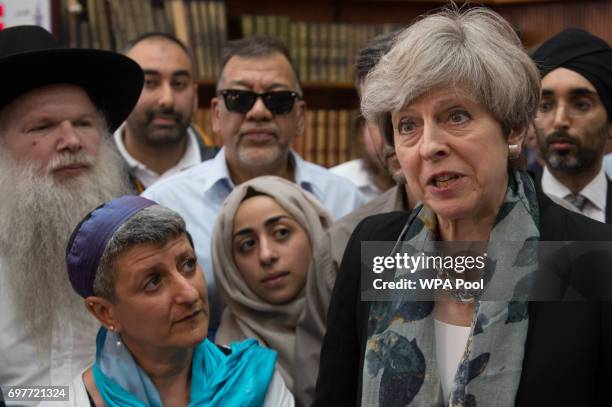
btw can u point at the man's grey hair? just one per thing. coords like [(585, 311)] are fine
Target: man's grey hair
[(257, 47), (154, 224), (474, 50)]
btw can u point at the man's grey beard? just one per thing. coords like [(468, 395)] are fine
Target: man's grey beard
[(37, 216)]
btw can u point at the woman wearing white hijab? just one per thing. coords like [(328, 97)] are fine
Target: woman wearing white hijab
[(262, 245)]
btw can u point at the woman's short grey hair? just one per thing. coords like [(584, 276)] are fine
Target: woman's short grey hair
[(154, 224), (475, 50)]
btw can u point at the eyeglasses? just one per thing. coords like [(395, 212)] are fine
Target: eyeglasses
[(241, 101)]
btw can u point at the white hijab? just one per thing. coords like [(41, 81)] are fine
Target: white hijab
[(246, 315)]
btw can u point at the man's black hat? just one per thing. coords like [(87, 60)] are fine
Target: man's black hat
[(31, 58)]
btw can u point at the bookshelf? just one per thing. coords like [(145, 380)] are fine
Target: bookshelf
[(323, 35)]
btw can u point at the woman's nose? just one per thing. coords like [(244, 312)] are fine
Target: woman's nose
[(433, 143), (185, 290), (267, 252)]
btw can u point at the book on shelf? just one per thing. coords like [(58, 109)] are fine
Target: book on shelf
[(302, 45), (312, 53), (110, 24), (197, 42), (322, 52), (309, 152), (92, 17), (344, 135), (332, 137), (201, 119), (321, 137), (181, 24), (218, 26)]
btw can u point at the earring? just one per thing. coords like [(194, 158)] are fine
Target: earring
[(111, 328), (118, 343), (513, 151)]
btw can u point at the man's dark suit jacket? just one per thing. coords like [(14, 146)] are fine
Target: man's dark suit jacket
[(537, 176), (568, 355)]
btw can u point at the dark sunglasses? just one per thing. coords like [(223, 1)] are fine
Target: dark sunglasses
[(241, 101)]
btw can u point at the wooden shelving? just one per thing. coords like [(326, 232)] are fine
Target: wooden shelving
[(535, 21)]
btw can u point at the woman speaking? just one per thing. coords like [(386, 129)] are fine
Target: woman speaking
[(455, 95)]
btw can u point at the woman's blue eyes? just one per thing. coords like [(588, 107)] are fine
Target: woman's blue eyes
[(458, 116), (454, 117), (405, 126)]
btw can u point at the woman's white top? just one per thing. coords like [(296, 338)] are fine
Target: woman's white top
[(450, 346), (278, 394)]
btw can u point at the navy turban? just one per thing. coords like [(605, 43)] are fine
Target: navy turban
[(583, 53)]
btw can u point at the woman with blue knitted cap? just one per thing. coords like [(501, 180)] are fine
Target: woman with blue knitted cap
[(134, 263)]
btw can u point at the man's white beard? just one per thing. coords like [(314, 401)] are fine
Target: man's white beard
[(37, 216)]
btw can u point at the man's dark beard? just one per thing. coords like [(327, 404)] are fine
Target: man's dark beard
[(165, 136), (573, 161)]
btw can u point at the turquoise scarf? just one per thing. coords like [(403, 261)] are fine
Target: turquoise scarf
[(239, 379), (400, 367)]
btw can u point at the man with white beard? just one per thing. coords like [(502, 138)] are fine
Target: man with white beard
[(57, 162)]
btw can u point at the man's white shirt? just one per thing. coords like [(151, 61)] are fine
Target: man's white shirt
[(357, 173), (147, 176), (72, 348), (596, 192)]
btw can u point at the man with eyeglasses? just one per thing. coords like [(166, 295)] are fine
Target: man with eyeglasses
[(258, 111), (574, 121)]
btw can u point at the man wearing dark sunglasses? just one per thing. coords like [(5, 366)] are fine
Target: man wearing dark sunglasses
[(258, 111)]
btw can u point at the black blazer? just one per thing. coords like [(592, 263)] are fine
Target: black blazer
[(537, 176), (568, 355)]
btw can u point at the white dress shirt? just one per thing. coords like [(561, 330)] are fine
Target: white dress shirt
[(72, 347), (357, 173), (596, 192), (147, 176)]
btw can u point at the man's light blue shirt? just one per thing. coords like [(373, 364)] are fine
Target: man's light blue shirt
[(607, 163), (197, 194)]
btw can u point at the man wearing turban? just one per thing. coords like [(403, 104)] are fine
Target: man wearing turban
[(574, 121)]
